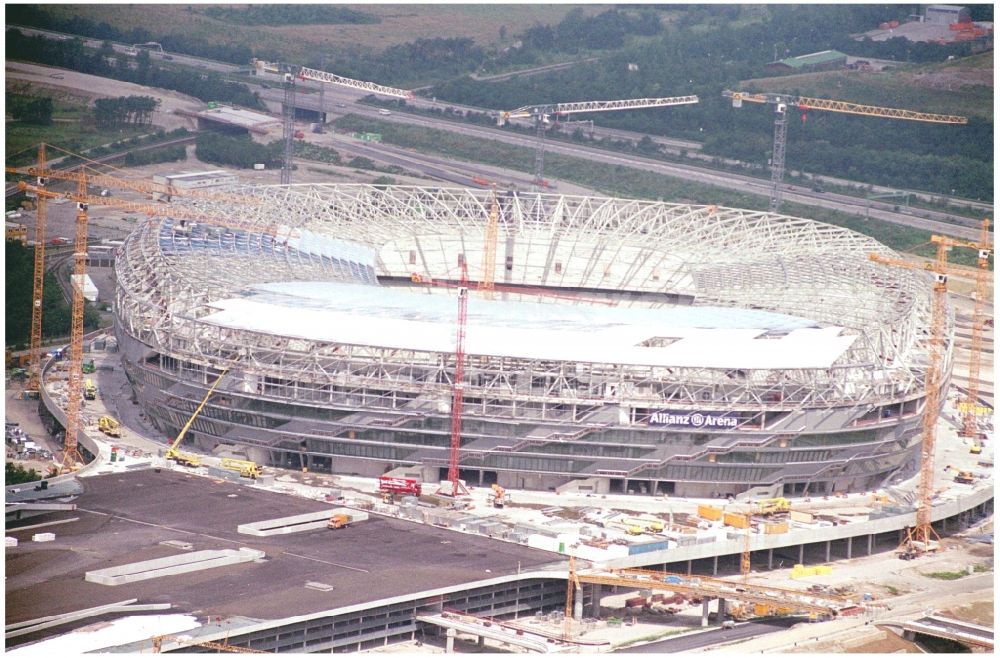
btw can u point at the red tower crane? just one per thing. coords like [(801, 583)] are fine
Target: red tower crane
[(458, 390)]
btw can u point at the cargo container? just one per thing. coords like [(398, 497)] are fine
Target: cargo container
[(709, 512), (648, 547), (735, 520), (775, 528)]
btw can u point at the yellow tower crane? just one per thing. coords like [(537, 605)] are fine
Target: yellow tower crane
[(541, 114), (224, 647), (34, 385), (71, 453), (970, 427), (921, 538), (782, 102), (490, 247)]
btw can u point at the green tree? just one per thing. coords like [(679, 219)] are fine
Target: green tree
[(17, 474)]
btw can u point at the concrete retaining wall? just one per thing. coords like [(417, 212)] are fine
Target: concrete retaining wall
[(169, 566), (298, 523)]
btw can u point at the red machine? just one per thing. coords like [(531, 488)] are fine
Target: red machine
[(402, 486)]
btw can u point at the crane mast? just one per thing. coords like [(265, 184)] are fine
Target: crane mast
[(458, 387), (540, 114), (71, 453), (782, 102), (490, 247), (919, 538), (970, 426), (38, 285), (290, 73)]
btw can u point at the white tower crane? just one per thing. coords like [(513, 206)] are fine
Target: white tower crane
[(541, 113)]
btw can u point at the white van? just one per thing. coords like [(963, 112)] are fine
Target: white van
[(384, 112)]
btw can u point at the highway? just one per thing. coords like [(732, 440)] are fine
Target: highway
[(343, 98)]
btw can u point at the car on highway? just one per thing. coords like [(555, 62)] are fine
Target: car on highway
[(57, 76)]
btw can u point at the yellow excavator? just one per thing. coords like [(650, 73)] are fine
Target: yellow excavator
[(184, 458)]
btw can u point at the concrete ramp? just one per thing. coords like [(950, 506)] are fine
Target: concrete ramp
[(170, 566), (298, 523)]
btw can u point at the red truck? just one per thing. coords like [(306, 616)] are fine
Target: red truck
[(403, 486)]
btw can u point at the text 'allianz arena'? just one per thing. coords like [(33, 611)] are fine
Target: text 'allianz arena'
[(628, 345)]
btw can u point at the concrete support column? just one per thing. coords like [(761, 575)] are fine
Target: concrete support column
[(902, 536), (578, 605), (802, 553), (770, 559), (828, 542), (595, 601), (704, 612), (481, 641), (689, 567), (721, 611), (871, 540), (850, 547), (715, 565), (450, 643)]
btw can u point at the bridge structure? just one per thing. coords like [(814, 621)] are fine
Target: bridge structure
[(973, 635)]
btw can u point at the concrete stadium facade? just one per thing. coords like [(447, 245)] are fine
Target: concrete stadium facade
[(627, 346)]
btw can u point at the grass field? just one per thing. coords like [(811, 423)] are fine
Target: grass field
[(399, 24), (963, 87)]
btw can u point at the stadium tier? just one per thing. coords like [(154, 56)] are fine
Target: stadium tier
[(627, 345)]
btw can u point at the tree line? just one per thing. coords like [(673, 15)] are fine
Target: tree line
[(239, 151), (72, 54), (29, 109), (125, 111), (289, 15)]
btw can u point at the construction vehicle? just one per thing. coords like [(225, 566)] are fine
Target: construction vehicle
[(89, 390), (183, 458), (109, 426), (783, 102), (338, 521), (400, 486), (965, 477), (976, 449), (89, 368), (770, 506), (541, 114), (246, 468), (500, 497)]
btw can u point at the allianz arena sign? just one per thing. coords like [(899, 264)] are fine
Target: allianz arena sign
[(692, 419)]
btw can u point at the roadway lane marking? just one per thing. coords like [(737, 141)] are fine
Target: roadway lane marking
[(222, 539)]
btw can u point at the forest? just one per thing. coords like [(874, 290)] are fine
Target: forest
[(205, 85), (634, 51)]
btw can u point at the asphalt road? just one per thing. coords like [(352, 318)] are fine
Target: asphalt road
[(712, 637)]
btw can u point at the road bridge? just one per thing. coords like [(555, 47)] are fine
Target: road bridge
[(951, 629)]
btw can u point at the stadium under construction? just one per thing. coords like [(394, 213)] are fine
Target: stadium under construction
[(628, 345)]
